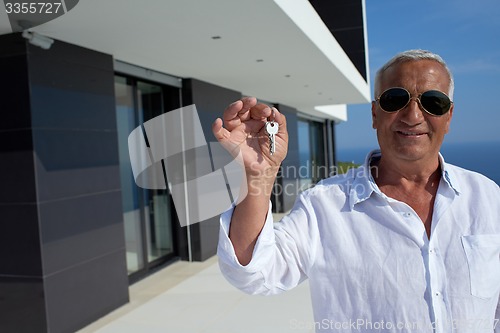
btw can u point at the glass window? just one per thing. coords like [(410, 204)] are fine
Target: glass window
[(312, 157), (318, 160), (147, 213), (126, 122), (158, 211), (305, 174)]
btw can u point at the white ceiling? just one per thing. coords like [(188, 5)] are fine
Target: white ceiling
[(277, 50)]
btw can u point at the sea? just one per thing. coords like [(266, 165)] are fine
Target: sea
[(482, 157)]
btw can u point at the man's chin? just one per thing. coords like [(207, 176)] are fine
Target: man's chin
[(414, 154)]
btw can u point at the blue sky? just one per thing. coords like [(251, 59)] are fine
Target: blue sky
[(465, 33)]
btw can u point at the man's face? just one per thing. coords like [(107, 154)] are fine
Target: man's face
[(411, 134)]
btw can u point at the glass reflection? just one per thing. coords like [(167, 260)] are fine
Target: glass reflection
[(312, 154), (158, 211), (126, 122)]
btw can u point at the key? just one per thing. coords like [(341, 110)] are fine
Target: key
[(272, 129)]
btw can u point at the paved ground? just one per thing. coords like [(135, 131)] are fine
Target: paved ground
[(194, 297)]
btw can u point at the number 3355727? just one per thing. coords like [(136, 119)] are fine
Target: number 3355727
[(33, 8)]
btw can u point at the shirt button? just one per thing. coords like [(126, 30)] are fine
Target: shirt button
[(437, 293), (408, 214)]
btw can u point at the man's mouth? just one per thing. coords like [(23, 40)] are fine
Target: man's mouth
[(410, 134)]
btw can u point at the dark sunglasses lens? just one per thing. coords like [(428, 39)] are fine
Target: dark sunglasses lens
[(435, 102), (394, 99)]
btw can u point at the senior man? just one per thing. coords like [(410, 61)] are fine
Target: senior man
[(405, 243)]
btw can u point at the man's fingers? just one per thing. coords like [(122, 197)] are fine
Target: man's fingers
[(232, 110), (239, 107), (260, 112), (237, 112), (246, 111), (222, 135), (218, 131), (248, 103), (280, 119)]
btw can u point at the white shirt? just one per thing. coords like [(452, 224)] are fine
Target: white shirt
[(371, 266)]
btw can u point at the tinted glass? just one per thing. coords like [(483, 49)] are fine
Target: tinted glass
[(394, 99), (435, 102)]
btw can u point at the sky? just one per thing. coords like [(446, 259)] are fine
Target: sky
[(466, 34)]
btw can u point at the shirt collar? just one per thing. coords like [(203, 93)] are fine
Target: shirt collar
[(364, 185), (448, 175)]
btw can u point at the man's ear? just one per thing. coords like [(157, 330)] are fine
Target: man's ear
[(374, 115)]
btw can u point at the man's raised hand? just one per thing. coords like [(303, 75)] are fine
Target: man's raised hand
[(242, 129)]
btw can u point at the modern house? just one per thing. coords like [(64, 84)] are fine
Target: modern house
[(75, 229)]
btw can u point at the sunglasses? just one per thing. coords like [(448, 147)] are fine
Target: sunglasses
[(434, 102)]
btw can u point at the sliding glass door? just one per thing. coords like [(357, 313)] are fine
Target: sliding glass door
[(158, 211), (148, 214)]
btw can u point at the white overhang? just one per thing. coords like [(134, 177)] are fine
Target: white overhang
[(335, 112), (277, 50)]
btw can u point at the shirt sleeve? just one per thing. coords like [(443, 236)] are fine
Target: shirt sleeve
[(281, 257)]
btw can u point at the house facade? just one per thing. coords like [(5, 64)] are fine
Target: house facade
[(75, 229)]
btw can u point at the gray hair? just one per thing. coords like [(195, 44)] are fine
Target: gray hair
[(414, 55)]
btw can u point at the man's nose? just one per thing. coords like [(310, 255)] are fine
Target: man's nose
[(412, 114)]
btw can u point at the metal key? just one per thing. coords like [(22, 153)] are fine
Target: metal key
[(272, 129)]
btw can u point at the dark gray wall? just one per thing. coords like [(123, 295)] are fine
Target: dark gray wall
[(62, 251), (344, 19), (210, 101)]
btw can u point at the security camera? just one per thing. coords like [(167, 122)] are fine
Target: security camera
[(38, 40)]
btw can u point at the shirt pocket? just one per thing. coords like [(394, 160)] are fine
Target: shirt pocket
[(483, 259)]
